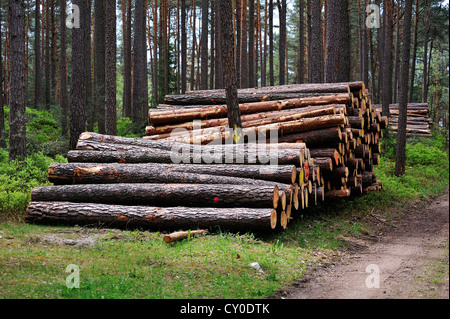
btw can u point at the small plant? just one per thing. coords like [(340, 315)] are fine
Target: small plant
[(277, 246)]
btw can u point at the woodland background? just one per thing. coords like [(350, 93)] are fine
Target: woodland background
[(127, 55)]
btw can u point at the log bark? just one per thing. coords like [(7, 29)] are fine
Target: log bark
[(325, 163), (295, 88), (340, 193), (326, 152), (180, 235), (155, 218), (95, 173), (164, 195), (220, 111), (356, 122), (286, 116), (189, 154), (161, 156), (282, 128), (314, 137), (229, 153), (250, 120)]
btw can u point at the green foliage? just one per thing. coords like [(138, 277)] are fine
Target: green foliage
[(421, 154), (126, 128), (427, 169), (43, 133), (18, 178)]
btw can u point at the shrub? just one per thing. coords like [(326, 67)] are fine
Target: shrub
[(18, 178), (43, 133)]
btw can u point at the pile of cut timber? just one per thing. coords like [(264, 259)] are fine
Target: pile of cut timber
[(417, 123), (182, 175)]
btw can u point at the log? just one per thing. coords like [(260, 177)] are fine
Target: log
[(282, 128), (414, 130), (180, 235), (220, 111), (321, 88), (147, 217), (196, 100), (411, 106), (326, 152), (321, 193), (413, 126), (314, 137), (84, 156), (97, 173), (187, 154), (165, 195), (325, 163), (250, 126), (252, 119), (409, 119), (413, 113), (356, 122), (118, 143), (340, 193)]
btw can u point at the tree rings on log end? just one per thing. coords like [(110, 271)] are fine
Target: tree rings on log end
[(283, 219), (273, 219)]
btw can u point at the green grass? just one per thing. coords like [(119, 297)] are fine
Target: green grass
[(136, 264)]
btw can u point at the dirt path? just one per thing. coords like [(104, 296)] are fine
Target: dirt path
[(411, 253)]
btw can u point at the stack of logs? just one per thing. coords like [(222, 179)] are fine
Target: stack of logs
[(185, 173), (417, 123)]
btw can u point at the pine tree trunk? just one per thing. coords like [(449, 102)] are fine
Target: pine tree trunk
[(282, 9), (2, 102), (244, 57), (98, 109), (301, 57), (230, 81), (127, 104), (183, 48), (387, 60), (218, 38), (316, 43), (110, 68), (37, 55), (17, 123), (87, 65), (77, 96), (251, 43), (271, 66), (204, 52), (47, 55), (63, 101), (194, 43), (414, 54), (400, 161), (425, 54), (140, 77), (397, 54), (337, 61)]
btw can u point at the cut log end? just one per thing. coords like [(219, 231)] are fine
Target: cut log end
[(273, 219), (283, 219)]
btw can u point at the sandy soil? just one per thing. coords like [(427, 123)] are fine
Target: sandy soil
[(410, 251)]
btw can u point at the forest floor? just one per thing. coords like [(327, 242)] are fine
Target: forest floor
[(411, 252)]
